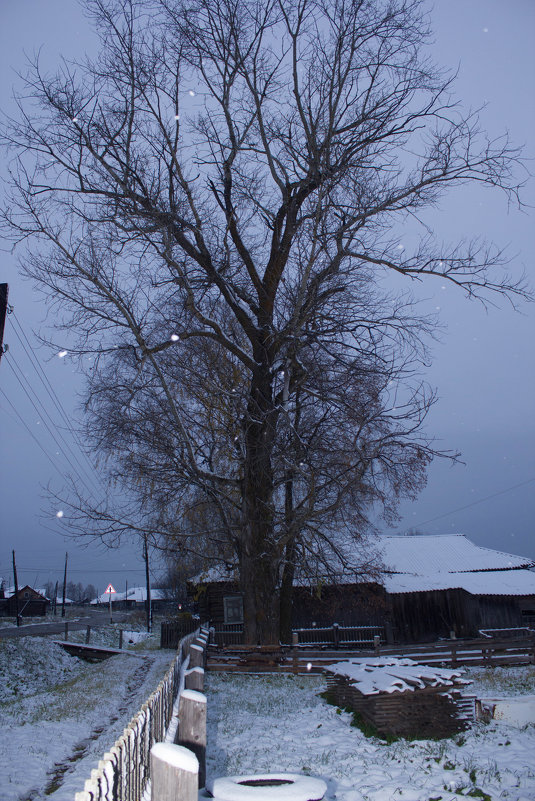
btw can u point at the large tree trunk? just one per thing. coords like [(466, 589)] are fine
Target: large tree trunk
[(259, 558)]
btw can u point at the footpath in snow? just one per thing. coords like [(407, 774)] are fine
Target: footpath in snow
[(59, 714)]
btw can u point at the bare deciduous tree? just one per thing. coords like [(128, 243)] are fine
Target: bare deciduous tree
[(225, 183)]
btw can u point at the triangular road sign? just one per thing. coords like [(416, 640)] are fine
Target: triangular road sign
[(109, 589)]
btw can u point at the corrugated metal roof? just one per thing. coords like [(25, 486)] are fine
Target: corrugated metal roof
[(492, 582), (443, 553)]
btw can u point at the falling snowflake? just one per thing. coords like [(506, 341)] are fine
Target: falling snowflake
[(177, 116), (62, 354), (174, 337), (59, 514), (191, 93)]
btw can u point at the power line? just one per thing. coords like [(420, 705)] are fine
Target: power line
[(30, 432), (50, 389), (42, 412), (475, 503)]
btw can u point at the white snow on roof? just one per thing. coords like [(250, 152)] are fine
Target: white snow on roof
[(387, 675), (443, 553), (431, 562), (491, 582), (137, 594)]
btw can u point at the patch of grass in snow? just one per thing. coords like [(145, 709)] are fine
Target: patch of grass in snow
[(507, 681)]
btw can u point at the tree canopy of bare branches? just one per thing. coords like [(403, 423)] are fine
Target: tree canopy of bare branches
[(212, 205)]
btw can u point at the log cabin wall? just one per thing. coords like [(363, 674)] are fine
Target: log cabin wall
[(426, 616), (347, 605), (209, 599)]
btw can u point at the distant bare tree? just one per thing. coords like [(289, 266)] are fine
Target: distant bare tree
[(251, 225)]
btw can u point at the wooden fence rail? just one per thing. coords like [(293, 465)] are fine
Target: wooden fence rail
[(304, 659), (123, 773)]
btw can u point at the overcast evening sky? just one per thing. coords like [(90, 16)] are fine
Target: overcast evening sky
[(483, 367)]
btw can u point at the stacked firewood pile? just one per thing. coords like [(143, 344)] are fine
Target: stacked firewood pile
[(400, 697)]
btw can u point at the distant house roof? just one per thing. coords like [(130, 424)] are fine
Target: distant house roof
[(136, 594), (432, 562), (37, 594)]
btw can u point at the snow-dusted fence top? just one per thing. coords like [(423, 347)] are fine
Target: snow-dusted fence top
[(400, 697), (123, 773)]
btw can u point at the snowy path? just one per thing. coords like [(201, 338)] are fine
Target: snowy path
[(59, 715), (278, 723)]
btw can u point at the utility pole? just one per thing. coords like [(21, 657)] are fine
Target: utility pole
[(147, 581), (4, 290), (64, 586), (16, 587)]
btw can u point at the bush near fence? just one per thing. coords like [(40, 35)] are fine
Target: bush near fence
[(124, 771)]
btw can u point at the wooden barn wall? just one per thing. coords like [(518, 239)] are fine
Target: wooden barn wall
[(503, 612), (425, 616), (209, 599), (347, 605)]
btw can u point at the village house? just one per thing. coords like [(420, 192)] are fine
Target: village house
[(31, 603), (430, 586)]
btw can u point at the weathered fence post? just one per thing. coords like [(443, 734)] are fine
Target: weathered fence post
[(377, 644), (87, 635), (336, 635), (192, 728), (295, 658), (66, 637), (196, 656), (194, 679), (120, 639), (174, 771)]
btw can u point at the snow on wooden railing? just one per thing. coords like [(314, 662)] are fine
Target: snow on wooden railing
[(124, 772)]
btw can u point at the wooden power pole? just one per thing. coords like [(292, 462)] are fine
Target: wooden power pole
[(16, 583), (4, 289)]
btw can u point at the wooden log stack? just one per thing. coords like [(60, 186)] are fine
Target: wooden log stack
[(429, 711)]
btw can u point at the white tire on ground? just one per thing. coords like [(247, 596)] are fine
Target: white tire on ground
[(267, 787)]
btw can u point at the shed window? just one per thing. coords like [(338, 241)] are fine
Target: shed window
[(233, 608), (26, 594)]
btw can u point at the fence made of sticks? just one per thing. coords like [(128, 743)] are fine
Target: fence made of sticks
[(123, 774)]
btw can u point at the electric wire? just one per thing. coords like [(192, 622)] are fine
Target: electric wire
[(32, 435), (30, 352), (43, 415), (44, 411), (475, 503)]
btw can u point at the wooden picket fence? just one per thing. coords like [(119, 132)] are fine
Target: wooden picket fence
[(124, 771)]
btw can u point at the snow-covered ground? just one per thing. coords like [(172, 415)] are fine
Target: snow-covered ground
[(260, 724), (58, 714)]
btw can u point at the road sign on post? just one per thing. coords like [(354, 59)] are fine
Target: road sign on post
[(109, 591)]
